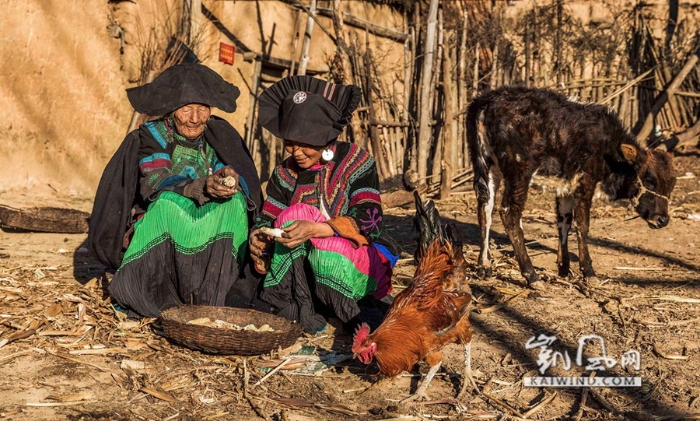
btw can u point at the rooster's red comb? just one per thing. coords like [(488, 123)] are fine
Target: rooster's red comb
[(361, 333)]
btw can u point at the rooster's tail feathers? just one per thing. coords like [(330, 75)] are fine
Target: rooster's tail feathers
[(426, 222)]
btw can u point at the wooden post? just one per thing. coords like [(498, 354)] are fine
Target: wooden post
[(454, 151), (378, 152), (341, 47), (389, 145), (195, 20), (250, 139), (435, 101), (345, 74), (558, 42), (409, 60), (295, 42), (448, 140), (493, 83), (426, 108), (192, 12), (461, 91), (528, 71), (304, 61), (475, 82)]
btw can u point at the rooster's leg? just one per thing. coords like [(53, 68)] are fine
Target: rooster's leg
[(420, 393), (468, 370)]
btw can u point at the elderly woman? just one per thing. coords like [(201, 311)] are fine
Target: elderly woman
[(332, 250), (173, 207)]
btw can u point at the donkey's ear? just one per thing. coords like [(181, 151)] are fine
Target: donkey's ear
[(629, 152)]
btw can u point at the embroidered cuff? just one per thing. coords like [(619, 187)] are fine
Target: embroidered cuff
[(347, 228), (195, 190)]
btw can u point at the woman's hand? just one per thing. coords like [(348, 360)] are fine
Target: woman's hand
[(259, 243), (223, 184), (260, 246), (300, 231)]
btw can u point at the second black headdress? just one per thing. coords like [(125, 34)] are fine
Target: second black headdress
[(307, 110)]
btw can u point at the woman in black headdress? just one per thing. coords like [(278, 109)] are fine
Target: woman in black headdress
[(323, 202), (173, 207)]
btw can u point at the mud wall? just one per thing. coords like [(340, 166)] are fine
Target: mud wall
[(66, 66), (61, 93)]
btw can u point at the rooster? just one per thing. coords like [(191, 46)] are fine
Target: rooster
[(429, 314)]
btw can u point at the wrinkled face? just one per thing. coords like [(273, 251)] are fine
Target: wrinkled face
[(304, 155), (657, 182), (191, 120)]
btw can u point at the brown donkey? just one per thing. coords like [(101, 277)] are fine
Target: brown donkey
[(514, 132)]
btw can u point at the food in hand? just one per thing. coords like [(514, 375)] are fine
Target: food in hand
[(272, 232), (228, 181)]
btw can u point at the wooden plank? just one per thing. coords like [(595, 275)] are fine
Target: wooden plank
[(46, 219), (357, 22)]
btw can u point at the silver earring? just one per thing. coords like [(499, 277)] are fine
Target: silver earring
[(327, 154)]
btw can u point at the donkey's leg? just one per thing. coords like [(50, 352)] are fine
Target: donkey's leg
[(582, 215), (564, 208), (514, 198), (486, 198)]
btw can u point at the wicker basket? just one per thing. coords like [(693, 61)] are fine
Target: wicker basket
[(228, 341)]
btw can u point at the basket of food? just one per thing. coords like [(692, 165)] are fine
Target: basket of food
[(228, 330)]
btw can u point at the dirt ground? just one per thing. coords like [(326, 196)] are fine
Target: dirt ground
[(86, 363)]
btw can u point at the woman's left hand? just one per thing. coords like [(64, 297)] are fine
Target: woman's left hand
[(300, 231), (222, 185)]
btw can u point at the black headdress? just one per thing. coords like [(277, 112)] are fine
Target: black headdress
[(183, 84), (307, 110)]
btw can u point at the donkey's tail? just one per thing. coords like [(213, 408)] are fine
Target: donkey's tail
[(479, 148)]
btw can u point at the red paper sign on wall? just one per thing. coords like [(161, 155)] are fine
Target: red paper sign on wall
[(227, 53)]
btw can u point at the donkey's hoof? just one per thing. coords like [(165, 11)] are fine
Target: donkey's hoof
[(593, 282), (484, 272), (536, 285)]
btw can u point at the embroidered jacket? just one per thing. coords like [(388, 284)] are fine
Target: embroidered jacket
[(347, 186)]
